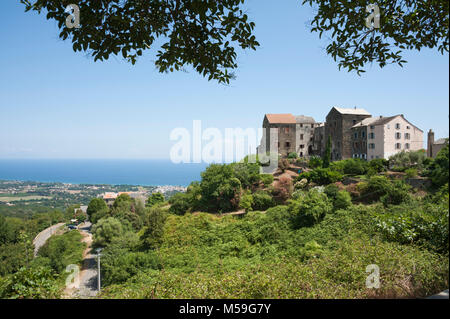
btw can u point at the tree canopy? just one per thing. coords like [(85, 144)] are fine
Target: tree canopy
[(207, 34), (203, 34), (403, 24)]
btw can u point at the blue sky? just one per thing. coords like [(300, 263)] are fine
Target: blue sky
[(55, 103)]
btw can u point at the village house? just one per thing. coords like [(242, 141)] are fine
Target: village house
[(304, 135), (338, 126), (382, 137)]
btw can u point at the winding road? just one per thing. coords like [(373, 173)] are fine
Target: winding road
[(42, 237)]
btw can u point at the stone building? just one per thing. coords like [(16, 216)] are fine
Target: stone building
[(278, 134), (354, 134), (359, 136), (433, 147), (338, 126), (319, 143), (304, 133), (382, 137)]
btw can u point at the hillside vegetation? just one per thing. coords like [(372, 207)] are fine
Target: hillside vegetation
[(310, 230)]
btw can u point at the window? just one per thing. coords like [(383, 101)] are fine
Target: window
[(301, 136), (356, 135), (371, 136), (371, 146), (389, 126), (302, 146), (312, 125), (408, 127), (363, 134), (398, 146), (372, 127), (288, 144), (397, 126), (278, 144), (354, 122), (407, 146), (301, 125), (398, 136), (407, 136), (286, 130)]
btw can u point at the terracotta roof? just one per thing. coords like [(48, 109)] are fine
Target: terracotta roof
[(281, 118), (354, 111), (109, 195)]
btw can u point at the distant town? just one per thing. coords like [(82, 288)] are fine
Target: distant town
[(59, 195)]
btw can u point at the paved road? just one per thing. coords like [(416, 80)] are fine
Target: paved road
[(42, 237), (88, 273)]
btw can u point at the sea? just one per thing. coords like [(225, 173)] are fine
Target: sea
[(90, 171)]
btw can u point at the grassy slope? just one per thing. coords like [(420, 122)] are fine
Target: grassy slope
[(260, 256)]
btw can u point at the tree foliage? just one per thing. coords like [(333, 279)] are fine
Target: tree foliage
[(202, 34), (106, 230), (404, 25), (155, 198), (96, 205)]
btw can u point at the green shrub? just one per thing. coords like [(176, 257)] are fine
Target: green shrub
[(404, 160), (106, 230), (266, 179), (315, 162), (414, 223), (310, 209), (331, 191), (155, 198), (31, 283), (219, 189), (439, 168), (355, 166), (118, 265), (375, 188), (262, 201), (379, 165), (397, 194), (96, 205), (411, 172), (246, 201), (343, 200), (154, 233), (321, 176), (180, 203), (292, 155)]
